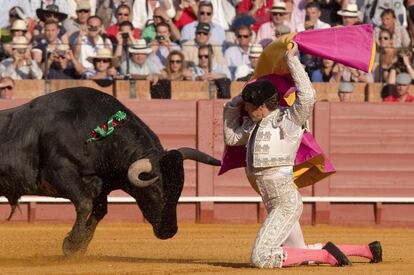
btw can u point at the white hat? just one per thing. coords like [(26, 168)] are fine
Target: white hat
[(139, 46), (403, 79), (278, 7), (345, 87), (351, 10), (255, 50), (20, 42), (19, 25), (103, 53)]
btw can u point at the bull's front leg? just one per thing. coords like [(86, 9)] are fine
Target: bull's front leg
[(75, 242)]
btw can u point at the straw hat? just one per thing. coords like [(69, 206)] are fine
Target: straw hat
[(140, 46), (255, 50), (278, 7), (351, 10), (20, 42), (19, 25), (103, 53), (83, 5), (52, 9)]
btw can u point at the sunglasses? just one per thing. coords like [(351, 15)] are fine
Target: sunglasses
[(93, 28), (98, 60), (6, 88), (175, 61), (61, 57), (123, 14), (278, 14), (203, 56), (13, 16), (205, 13), (384, 38), (83, 11), (203, 33), (243, 36)]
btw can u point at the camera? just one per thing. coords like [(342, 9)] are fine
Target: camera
[(125, 35), (159, 38)]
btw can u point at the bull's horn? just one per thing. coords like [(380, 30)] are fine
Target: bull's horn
[(138, 167), (194, 154)]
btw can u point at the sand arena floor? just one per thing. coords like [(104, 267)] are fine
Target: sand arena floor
[(196, 249)]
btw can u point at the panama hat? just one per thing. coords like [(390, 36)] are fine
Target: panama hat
[(351, 10), (103, 53), (20, 42), (19, 25), (403, 79), (139, 46), (83, 5), (278, 7), (50, 9), (255, 50)]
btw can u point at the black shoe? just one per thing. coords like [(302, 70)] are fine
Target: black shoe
[(376, 251), (340, 257)]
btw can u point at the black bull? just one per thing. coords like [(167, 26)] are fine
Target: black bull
[(44, 152)]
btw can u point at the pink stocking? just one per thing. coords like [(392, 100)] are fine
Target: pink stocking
[(298, 255), (356, 250)]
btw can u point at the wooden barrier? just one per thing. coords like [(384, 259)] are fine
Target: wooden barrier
[(184, 90)]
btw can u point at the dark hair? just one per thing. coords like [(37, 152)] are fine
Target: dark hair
[(243, 27), (172, 53), (208, 47), (313, 5), (123, 6), (205, 4), (51, 22), (126, 23), (387, 31), (261, 92), (163, 24), (388, 11), (272, 103)]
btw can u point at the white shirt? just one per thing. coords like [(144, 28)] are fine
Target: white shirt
[(89, 49), (142, 12)]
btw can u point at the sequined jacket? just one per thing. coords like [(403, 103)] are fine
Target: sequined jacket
[(275, 139)]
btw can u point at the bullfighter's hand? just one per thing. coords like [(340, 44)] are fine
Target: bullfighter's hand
[(236, 101), (292, 49)]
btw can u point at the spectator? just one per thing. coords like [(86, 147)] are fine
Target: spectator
[(206, 68), (51, 13), (142, 11), (239, 54), (162, 44), (74, 25), (6, 88), (350, 15), (64, 6), (19, 28), (386, 57), (104, 65), (400, 36), (205, 15), (11, 7), (224, 13), (106, 10), (373, 11), (279, 31), (123, 13), (403, 65), (400, 93), (140, 65), (89, 43), (345, 91), (202, 37), (325, 71), (160, 16), (348, 74), (63, 65), (176, 67), (186, 13), (124, 39), (20, 65), (257, 9), (245, 71), (329, 11), (278, 15), (313, 12), (45, 44)]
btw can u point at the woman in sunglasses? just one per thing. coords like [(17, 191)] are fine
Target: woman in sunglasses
[(104, 65), (386, 56), (176, 68)]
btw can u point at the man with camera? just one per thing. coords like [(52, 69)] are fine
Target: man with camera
[(20, 65), (123, 14), (162, 44), (160, 16), (63, 65)]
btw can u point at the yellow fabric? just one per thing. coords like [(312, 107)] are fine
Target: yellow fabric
[(371, 62)]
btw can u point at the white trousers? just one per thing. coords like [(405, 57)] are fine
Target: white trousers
[(284, 207)]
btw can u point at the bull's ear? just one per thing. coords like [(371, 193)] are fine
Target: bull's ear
[(171, 166)]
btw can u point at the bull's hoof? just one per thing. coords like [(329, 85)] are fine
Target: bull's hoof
[(73, 249)]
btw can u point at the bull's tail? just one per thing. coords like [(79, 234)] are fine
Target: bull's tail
[(14, 203)]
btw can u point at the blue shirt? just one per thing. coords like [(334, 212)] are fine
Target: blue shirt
[(217, 33), (235, 57)]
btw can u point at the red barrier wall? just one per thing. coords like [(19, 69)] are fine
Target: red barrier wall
[(370, 144)]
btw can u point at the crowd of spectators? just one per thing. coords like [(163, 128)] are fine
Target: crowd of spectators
[(203, 40)]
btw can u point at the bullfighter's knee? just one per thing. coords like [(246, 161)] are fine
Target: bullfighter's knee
[(267, 259)]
